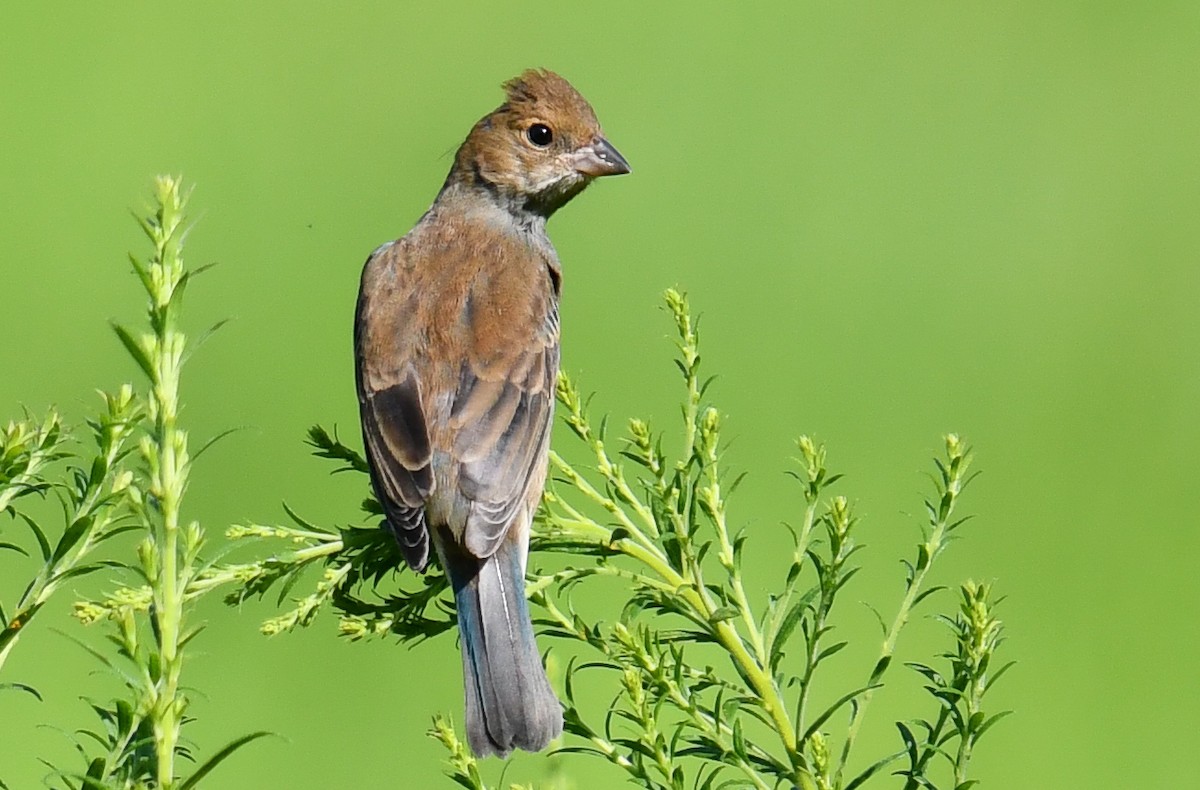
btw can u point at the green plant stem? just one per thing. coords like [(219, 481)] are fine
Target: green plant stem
[(930, 749), (804, 540), (885, 656), (610, 471), (167, 458), (831, 577), (230, 574), (688, 345), (580, 482), (721, 733), (93, 511), (810, 668), (715, 505), (967, 741), (214, 577), (949, 489), (725, 634)]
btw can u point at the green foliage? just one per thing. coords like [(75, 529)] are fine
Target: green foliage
[(37, 457), (710, 687), (659, 525), (104, 493), (141, 740), (959, 693)]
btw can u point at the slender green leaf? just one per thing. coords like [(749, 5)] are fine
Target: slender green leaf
[(219, 757), (214, 440), (13, 547), (987, 725), (21, 687), (842, 700), (874, 768), (135, 350), (43, 543)]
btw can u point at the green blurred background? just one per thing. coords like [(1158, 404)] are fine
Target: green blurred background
[(898, 219)]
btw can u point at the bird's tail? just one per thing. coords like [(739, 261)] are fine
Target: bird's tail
[(509, 700)]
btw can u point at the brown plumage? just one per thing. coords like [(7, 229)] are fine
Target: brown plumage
[(456, 350)]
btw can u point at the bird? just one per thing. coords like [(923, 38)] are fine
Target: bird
[(456, 345)]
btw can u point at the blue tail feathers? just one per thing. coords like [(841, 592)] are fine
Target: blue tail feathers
[(510, 704)]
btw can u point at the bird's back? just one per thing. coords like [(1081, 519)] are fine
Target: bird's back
[(465, 307)]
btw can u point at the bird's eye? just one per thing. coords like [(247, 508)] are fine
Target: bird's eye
[(540, 135)]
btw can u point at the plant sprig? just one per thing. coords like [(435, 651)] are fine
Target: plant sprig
[(961, 721), (661, 525), (141, 738), (90, 497), (706, 686)]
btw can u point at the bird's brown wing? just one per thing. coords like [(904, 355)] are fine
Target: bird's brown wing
[(502, 410), (393, 419)]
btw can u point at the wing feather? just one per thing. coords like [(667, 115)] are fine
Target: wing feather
[(397, 440), (456, 367), (503, 450)]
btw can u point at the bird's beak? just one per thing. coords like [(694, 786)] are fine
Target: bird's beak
[(600, 159)]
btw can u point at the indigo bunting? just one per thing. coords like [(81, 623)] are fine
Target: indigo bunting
[(456, 354)]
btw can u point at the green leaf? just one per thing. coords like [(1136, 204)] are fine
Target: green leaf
[(220, 756), (739, 739), (301, 522), (13, 547), (926, 593), (203, 337), (135, 350), (832, 709), (722, 614), (880, 667), (910, 744), (21, 687), (1000, 673), (124, 716), (883, 626), (92, 784), (290, 579), (788, 625), (874, 768), (214, 440), (84, 570), (129, 680), (43, 544), (987, 725), (829, 651), (139, 267), (96, 769)]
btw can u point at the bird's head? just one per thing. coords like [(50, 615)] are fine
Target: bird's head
[(540, 148)]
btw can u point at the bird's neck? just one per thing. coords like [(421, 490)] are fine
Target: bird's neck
[(477, 200)]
